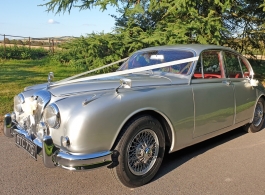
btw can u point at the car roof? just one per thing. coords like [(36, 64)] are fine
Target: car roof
[(197, 48)]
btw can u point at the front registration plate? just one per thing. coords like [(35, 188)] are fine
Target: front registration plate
[(27, 145)]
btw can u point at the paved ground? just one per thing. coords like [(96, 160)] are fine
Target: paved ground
[(233, 163)]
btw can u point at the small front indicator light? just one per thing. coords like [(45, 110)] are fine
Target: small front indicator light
[(66, 141)]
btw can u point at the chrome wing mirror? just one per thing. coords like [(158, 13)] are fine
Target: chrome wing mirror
[(124, 83), (253, 82)]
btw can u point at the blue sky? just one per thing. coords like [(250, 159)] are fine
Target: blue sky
[(26, 18)]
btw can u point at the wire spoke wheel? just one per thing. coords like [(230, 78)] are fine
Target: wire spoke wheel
[(142, 152), (258, 114), (258, 118)]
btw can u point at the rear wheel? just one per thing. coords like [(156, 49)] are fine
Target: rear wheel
[(140, 151), (258, 120)]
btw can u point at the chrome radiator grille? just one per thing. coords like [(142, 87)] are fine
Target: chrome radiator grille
[(30, 122)]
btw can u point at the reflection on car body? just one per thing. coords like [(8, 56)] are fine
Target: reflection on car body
[(171, 96)]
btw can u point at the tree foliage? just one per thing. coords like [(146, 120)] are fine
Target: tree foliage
[(63, 6), (91, 51), (142, 23)]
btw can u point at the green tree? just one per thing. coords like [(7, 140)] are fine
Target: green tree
[(141, 23)]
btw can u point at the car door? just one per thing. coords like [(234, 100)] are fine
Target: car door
[(213, 95), (238, 70)]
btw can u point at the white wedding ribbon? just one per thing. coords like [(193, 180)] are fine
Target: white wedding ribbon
[(118, 73), (96, 69)]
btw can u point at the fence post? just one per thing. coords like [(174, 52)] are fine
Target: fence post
[(52, 46), (5, 44), (49, 44)]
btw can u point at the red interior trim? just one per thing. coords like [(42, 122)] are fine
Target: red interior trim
[(207, 75)]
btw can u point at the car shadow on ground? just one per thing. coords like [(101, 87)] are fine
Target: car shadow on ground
[(176, 159)]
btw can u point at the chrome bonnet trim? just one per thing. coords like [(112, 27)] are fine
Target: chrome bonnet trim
[(44, 95)]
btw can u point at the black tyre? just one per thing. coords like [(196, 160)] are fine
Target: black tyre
[(258, 120), (140, 151)]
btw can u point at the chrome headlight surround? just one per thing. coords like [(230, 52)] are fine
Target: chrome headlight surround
[(18, 100), (51, 116)]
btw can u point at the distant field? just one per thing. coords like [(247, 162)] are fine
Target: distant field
[(32, 46)]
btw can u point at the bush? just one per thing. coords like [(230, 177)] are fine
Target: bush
[(13, 41), (19, 42), (92, 51), (22, 52)]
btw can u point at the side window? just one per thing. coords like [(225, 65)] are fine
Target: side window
[(209, 65), (232, 65)]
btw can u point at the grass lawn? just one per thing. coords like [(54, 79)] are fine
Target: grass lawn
[(17, 74)]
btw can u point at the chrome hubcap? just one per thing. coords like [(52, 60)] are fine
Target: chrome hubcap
[(142, 152), (258, 115)]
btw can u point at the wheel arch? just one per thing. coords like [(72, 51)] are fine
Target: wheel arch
[(162, 118)]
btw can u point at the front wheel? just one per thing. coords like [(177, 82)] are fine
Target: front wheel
[(141, 150), (258, 120)]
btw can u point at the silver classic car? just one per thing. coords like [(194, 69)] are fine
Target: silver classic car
[(161, 99)]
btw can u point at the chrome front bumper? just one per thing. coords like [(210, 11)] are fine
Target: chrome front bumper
[(54, 156)]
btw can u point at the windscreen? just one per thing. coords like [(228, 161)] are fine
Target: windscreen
[(148, 58)]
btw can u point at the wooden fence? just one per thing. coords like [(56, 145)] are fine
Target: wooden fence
[(49, 43)]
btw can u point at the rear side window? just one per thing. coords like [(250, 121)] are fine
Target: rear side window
[(232, 65), (235, 66), (244, 66)]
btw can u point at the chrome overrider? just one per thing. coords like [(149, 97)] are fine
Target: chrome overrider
[(56, 157)]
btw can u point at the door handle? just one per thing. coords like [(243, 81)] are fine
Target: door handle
[(227, 82)]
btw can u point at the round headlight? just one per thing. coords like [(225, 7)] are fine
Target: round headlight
[(52, 116), (18, 100)]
